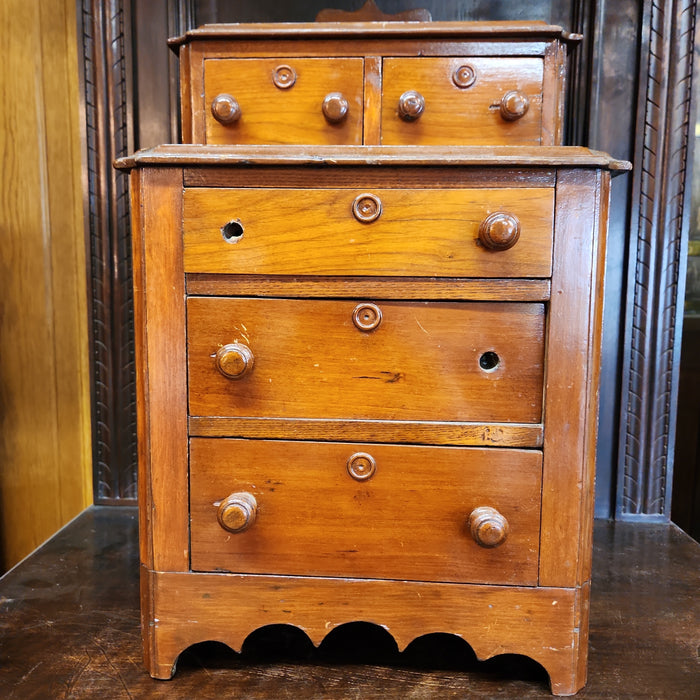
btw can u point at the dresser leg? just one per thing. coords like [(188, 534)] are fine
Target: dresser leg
[(158, 664)]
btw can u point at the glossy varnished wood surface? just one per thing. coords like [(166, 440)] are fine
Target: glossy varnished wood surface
[(409, 520), (422, 362), (460, 116), (70, 628), (274, 115), (422, 232), (45, 477)]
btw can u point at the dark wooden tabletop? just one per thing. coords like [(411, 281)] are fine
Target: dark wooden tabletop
[(69, 628)]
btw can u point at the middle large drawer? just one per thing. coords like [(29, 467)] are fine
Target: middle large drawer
[(352, 359)]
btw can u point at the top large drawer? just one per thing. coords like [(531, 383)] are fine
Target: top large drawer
[(489, 232)]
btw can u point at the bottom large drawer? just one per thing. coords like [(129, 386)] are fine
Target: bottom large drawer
[(369, 511)]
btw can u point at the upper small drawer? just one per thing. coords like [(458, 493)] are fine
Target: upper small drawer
[(470, 74), (378, 232), (283, 100), (451, 101)]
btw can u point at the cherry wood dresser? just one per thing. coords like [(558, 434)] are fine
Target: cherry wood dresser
[(367, 374)]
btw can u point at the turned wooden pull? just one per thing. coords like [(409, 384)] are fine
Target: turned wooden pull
[(367, 207), (514, 105), (464, 76), (237, 512), (361, 466), (335, 107), (225, 109), (499, 231), (488, 527), (367, 317), (234, 360), (411, 106), (284, 77)]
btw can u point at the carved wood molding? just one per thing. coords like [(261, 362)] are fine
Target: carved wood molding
[(108, 135), (657, 261)]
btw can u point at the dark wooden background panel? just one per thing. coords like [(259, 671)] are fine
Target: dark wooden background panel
[(554, 11)]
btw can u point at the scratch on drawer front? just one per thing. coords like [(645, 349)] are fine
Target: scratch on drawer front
[(421, 327)]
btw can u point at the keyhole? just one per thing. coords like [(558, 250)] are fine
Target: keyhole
[(232, 231), (489, 361)]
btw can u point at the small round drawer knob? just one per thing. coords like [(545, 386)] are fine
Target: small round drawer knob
[(234, 360), (284, 77), (488, 527), (367, 317), (411, 106), (361, 466), (367, 208), (237, 512), (335, 108), (514, 105), (225, 109), (464, 76), (499, 231)]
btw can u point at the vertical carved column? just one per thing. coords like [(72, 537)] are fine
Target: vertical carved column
[(657, 261), (108, 135), (109, 93)]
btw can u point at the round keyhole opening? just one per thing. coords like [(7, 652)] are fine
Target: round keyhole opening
[(232, 231), (489, 361)]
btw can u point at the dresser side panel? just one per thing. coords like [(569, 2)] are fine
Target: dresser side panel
[(574, 331), (162, 382)]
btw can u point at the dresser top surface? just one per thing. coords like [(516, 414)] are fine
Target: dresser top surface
[(528, 31), (429, 156)]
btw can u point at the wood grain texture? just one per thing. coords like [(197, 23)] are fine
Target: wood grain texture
[(423, 362), (404, 175), (290, 115), (45, 428), (484, 616), (472, 30), (407, 521), (418, 432), (461, 116), (454, 116), (159, 296), (510, 157), (457, 289), (307, 232), (571, 362)]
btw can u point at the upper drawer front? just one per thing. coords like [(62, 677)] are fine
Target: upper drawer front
[(451, 361), (471, 101), (281, 100), (406, 520), (421, 233)]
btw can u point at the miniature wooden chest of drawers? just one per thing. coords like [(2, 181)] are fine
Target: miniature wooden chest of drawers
[(374, 83), (367, 384)]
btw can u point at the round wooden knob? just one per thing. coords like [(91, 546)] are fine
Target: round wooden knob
[(367, 317), (411, 105), (464, 76), (361, 466), (284, 77), (499, 231), (234, 360), (488, 527), (367, 207), (237, 512), (335, 107), (225, 109), (514, 104)]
